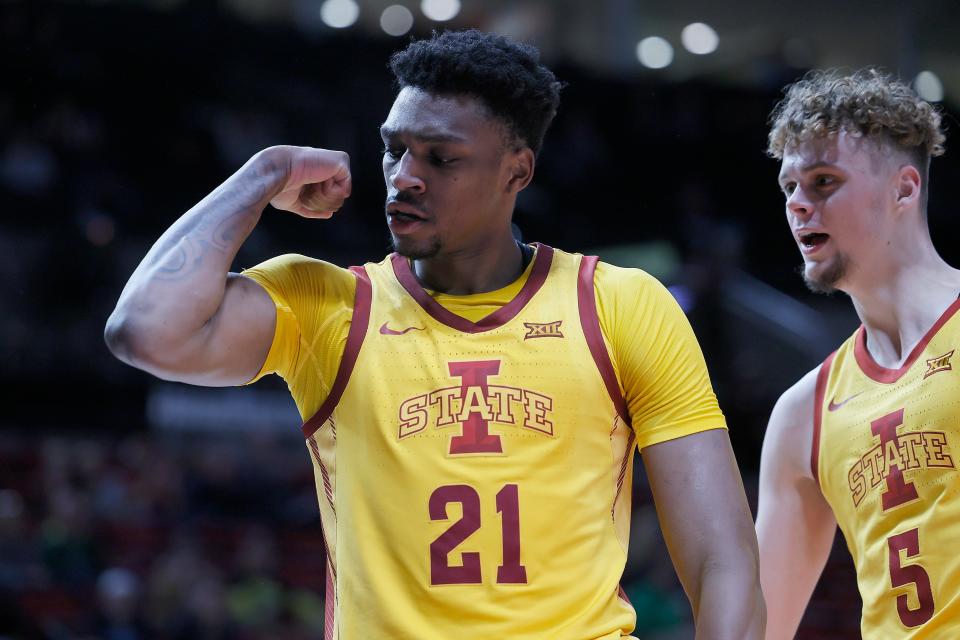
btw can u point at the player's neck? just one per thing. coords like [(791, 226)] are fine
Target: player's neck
[(899, 303), (473, 270)]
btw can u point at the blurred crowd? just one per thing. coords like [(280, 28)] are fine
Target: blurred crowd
[(139, 538), (197, 539)]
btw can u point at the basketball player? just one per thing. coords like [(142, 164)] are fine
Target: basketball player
[(471, 405), (868, 438)]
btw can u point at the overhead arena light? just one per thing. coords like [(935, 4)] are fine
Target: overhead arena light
[(339, 14), (396, 20), (654, 52), (928, 86), (440, 10), (699, 38)]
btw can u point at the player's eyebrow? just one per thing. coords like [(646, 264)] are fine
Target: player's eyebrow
[(421, 136), (819, 164)]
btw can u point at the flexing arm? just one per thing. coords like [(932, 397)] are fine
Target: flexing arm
[(182, 315), (707, 525), (795, 525)]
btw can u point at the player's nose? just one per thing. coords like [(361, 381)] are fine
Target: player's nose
[(404, 176), (799, 204)]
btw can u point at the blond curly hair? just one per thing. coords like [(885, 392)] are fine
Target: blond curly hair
[(866, 103)]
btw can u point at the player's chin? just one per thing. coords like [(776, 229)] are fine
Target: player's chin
[(415, 248), (824, 276)]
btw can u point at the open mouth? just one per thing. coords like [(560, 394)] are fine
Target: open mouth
[(813, 240), (404, 217), (403, 212)]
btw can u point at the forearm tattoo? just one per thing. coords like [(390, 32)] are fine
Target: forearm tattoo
[(218, 224)]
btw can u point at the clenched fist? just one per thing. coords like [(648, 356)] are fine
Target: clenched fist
[(317, 180)]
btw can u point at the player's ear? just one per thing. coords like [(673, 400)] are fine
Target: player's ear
[(908, 186), (522, 162)]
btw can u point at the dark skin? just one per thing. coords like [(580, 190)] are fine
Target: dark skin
[(452, 175)]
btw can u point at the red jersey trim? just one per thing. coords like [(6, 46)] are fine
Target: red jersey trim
[(822, 377), (358, 330), (324, 474), (627, 458), (541, 267), (881, 374), (590, 321), (330, 603)]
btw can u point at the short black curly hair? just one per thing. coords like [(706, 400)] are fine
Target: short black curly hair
[(506, 76)]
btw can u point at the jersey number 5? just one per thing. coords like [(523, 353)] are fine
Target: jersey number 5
[(901, 575), (510, 570)]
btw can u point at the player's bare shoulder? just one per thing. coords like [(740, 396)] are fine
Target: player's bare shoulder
[(788, 441)]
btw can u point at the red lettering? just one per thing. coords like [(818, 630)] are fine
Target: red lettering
[(511, 571), (444, 398), (535, 407), (508, 506), (902, 575), (475, 437), (501, 397), (413, 416), (441, 571), (936, 457), (858, 487), (898, 491)]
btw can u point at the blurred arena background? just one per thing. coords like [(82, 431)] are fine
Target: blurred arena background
[(134, 509)]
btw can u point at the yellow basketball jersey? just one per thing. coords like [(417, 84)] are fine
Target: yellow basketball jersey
[(884, 454), (482, 469)]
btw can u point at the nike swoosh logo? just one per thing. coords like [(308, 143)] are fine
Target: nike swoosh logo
[(387, 331), (833, 406)]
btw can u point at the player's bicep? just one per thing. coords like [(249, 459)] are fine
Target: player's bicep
[(234, 343), (795, 525)]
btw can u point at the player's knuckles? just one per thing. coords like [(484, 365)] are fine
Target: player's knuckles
[(335, 190), (343, 173), (306, 212), (325, 163), (316, 198)]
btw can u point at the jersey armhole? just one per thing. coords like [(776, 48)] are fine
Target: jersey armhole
[(358, 330), (822, 377), (590, 322)]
